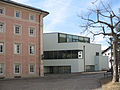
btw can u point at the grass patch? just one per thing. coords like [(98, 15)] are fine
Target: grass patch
[(108, 85)]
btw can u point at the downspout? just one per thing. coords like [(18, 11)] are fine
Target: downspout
[(84, 57), (39, 41)]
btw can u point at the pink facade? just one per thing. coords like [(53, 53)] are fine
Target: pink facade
[(8, 57)]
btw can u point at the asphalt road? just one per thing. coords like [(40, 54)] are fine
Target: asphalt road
[(78, 81)]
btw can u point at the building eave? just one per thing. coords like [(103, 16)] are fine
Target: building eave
[(25, 6)]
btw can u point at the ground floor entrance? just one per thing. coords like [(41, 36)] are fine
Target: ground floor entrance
[(57, 69)]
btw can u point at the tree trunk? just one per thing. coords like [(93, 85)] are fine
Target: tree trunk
[(115, 64)]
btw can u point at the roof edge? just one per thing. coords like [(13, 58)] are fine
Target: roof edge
[(25, 6)]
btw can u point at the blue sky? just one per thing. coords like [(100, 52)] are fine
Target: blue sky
[(63, 15)]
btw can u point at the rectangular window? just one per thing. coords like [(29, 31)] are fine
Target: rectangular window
[(17, 68), (32, 31), (65, 38), (17, 29), (32, 68), (75, 38), (86, 40), (62, 38), (97, 53), (1, 47), (17, 14), (1, 68), (63, 54), (80, 39), (2, 27), (32, 17), (2, 11), (17, 48), (32, 49), (69, 38)]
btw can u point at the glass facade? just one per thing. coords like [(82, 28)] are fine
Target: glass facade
[(64, 54), (64, 38), (57, 69)]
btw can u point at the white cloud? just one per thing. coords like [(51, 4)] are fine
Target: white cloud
[(58, 12)]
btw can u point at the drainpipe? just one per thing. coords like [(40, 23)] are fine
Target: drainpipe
[(40, 54), (84, 57)]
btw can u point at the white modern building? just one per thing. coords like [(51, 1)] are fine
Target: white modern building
[(65, 53)]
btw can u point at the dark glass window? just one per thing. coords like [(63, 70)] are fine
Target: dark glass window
[(86, 40), (81, 39), (62, 37), (17, 14), (69, 54), (97, 53), (66, 54), (69, 38), (75, 38), (1, 10), (74, 54)]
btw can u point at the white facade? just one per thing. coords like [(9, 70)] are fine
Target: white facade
[(88, 60)]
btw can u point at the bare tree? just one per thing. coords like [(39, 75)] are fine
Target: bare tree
[(104, 20)]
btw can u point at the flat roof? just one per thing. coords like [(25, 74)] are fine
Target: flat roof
[(23, 5)]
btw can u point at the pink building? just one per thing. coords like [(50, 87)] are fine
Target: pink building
[(21, 30)]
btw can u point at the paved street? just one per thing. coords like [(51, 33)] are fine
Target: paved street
[(79, 81)]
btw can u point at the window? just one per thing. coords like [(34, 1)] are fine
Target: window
[(62, 38), (32, 17), (17, 48), (86, 40), (80, 54), (17, 14), (32, 68), (32, 49), (17, 68), (75, 38), (1, 68), (2, 11), (97, 53), (81, 39), (1, 47), (17, 29), (69, 38), (2, 27), (31, 31), (63, 54)]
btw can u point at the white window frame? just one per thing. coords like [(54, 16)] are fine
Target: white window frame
[(3, 68), (16, 48), (3, 11), (2, 29), (19, 68), (80, 54), (30, 17), (2, 44), (20, 29), (34, 31), (33, 68), (33, 48), (19, 13)]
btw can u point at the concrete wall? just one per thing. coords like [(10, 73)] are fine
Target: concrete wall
[(51, 44), (101, 63), (77, 65)]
